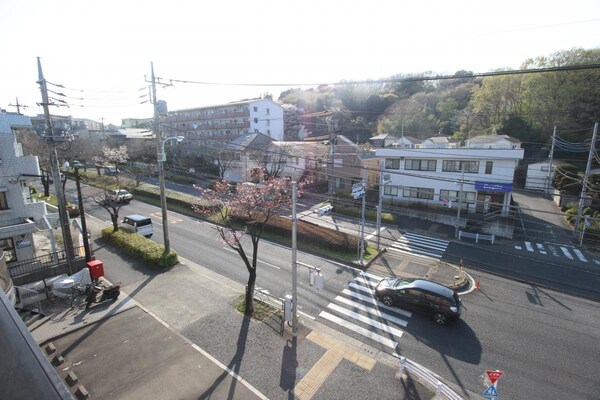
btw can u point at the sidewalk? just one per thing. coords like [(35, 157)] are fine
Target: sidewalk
[(129, 351)]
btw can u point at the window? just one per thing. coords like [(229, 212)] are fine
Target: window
[(8, 247), (390, 190), (256, 120), (458, 166), (255, 109), (268, 111), (3, 200), (418, 193), (420, 165), (392, 163), (452, 195), (268, 122), (488, 167)]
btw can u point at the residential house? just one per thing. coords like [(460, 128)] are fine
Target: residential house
[(20, 215), (383, 140), (296, 159), (243, 157), (493, 142), (539, 177), (407, 142), (207, 127), (440, 142), (481, 177)]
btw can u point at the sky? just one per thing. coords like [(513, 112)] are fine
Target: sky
[(101, 51)]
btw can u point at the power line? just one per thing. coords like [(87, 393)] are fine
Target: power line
[(403, 80)]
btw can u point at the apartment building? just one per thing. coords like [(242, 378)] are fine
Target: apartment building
[(481, 173), (19, 214), (206, 128)]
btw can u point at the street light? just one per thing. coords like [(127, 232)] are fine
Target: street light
[(162, 157)]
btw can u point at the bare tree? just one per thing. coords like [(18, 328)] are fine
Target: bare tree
[(244, 210), (273, 159)]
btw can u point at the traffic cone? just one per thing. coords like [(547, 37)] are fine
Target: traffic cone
[(477, 284)]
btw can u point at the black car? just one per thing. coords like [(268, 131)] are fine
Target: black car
[(422, 295)]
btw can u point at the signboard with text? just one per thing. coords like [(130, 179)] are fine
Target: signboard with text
[(494, 187)]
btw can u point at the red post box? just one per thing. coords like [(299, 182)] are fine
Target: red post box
[(96, 268)]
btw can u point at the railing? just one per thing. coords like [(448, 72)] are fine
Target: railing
[(275, 302), (476, 236), (46, 266), (428, 378)]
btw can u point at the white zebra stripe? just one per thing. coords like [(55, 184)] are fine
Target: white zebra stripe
[(380, 305), (358, 329), (371, 310)]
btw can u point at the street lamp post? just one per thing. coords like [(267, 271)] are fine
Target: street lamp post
[(162, 157)]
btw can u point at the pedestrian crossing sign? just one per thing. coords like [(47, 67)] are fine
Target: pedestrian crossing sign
[(491, 392)]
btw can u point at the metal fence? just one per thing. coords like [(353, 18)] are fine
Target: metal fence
[(275, 318), (44, 267), (428, 378)]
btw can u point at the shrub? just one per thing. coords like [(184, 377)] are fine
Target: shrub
[(141, 247)]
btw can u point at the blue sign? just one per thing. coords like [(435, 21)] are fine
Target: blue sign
[(491, 392), (494, 187)]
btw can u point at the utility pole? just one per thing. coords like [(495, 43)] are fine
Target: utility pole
[(332, 139), (60, 197), (362, 221), (294, 262), (551, 157), (585, 178), (161, 168), (86, 240), (18, 106)]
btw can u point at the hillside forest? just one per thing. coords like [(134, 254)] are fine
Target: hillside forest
[(524, 106)]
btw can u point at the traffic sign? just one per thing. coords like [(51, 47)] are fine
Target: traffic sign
[(494, 375), (357, 187), (358, 194), (491, 392)]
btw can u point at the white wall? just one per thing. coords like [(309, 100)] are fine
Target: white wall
[(269, 117)]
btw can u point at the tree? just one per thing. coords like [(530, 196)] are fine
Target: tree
[(105, 196), (243, 211)]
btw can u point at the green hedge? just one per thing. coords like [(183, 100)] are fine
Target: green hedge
[(140, 247)]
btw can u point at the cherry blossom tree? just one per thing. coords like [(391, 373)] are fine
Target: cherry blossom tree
[(243, 211)]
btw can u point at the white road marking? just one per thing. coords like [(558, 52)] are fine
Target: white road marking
[(374, 301), (368, 237), (260, 261), (529, 246), (371, 310), (359, 317), (566, 252), (360, 330), (580, 255), (541, 248)]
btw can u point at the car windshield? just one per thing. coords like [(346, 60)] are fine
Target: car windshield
[(402, 282)]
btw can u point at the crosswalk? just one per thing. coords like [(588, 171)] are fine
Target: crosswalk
[(554, 250), (357, 310), (420, 244)]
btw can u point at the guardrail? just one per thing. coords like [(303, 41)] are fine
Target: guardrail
[(427, 378), (476, 236), (275, 302)]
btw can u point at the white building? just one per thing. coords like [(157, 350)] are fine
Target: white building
[(435, 176), (539, 176), (212, 125), (19, 214)]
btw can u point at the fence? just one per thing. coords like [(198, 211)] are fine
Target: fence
[(428, 378), (476, 236), (273, 302), (44, 267)]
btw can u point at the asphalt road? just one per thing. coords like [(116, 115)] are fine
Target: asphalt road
[(544, 341)]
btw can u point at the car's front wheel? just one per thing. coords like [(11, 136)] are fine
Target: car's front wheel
[(440, 318), (387, 300)]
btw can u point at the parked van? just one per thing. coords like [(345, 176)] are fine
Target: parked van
[(138, 224)]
